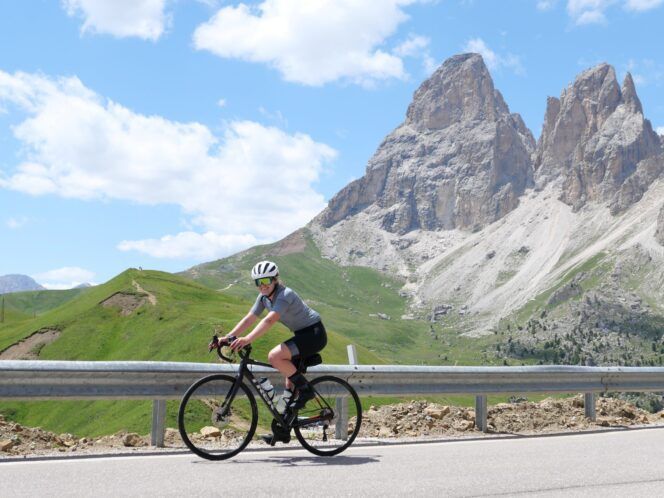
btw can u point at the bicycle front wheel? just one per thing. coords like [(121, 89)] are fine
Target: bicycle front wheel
[(213, 424), (329, 423)]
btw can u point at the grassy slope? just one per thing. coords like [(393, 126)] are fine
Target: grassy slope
[(29, 304), (346, 297), (176, 329), (12, 315)]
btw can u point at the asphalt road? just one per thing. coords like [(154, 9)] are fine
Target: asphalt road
[(620, 463)]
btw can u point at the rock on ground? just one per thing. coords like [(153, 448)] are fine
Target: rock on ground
[(421, 418)]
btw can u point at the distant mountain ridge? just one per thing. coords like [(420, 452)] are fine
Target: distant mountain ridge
[(18, 283)]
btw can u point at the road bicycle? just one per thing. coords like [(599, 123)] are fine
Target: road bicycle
[(218, 414)]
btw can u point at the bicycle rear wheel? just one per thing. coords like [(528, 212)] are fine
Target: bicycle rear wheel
[(213, 424), (323, 427)]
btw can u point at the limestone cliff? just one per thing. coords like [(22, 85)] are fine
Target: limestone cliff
[(596, 141), (460, 159)]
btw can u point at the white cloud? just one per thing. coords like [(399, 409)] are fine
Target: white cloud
[(645, 71), (417, 46), (204, 246), (493, 60), (413, 46), (275, 117), (593, 11), (588, 11), (253, 180), (16, 223), (311, 43), (660, 130), (121, 18), (65, 278), (642, 5), (546, 4), (221, 102), (430, 64)]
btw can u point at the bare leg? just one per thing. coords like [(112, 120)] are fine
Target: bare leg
[(279, 357)]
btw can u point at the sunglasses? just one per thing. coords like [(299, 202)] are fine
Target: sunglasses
[(264, 281)]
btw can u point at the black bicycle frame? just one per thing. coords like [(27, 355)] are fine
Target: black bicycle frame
[(244, 371)]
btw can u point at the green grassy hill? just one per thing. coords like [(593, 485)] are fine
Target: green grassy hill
[(176, 328), (349, 300), (13, 315), (31, 304)]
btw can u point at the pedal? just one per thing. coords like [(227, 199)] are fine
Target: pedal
[(268, 439)]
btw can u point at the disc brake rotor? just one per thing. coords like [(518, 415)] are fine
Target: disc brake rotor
[(221, 416)]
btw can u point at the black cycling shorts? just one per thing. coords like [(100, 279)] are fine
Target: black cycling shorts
[(307, 341)]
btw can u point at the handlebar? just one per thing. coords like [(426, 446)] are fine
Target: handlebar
[(217, 344)]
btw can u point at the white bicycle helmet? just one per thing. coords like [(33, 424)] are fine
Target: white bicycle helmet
[(264, 269)]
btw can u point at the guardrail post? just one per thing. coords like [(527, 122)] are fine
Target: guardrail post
[(158, 422), (341, 429), (481, 412), (589, 405), (352, 355)]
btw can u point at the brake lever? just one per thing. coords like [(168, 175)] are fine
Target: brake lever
[(214, 344)]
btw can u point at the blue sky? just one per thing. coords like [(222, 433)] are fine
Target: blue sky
[(166, 133)]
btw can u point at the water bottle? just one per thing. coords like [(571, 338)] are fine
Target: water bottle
[(267, 387), (284, 400)]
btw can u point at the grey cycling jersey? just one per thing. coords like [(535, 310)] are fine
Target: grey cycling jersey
[(293, 312)]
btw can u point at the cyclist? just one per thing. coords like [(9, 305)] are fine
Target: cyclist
[(285, 306)]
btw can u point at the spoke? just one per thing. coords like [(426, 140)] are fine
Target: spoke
[(212, 424), (314, 431)]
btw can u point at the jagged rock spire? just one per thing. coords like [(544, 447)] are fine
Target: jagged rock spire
[(594, 138), (460, 90), (630, 98), (460, 159)]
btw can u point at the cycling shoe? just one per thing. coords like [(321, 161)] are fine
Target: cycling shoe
[(303, 395), (272, 439)]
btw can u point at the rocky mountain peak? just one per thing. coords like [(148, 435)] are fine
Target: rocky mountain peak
[(460, 159), (597, 90), (17, 283), (630, 98), (596, 140), (460, 90)]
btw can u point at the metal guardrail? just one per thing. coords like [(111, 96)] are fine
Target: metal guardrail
[(159, 381), (38, 380)]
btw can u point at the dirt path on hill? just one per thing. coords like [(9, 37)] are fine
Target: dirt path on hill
[(28, 348), (151, 297)]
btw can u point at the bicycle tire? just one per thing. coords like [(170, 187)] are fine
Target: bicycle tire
[(201, 404), (314, 437)]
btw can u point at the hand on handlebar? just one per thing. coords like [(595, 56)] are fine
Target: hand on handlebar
[(239, 343), (217, 342)]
